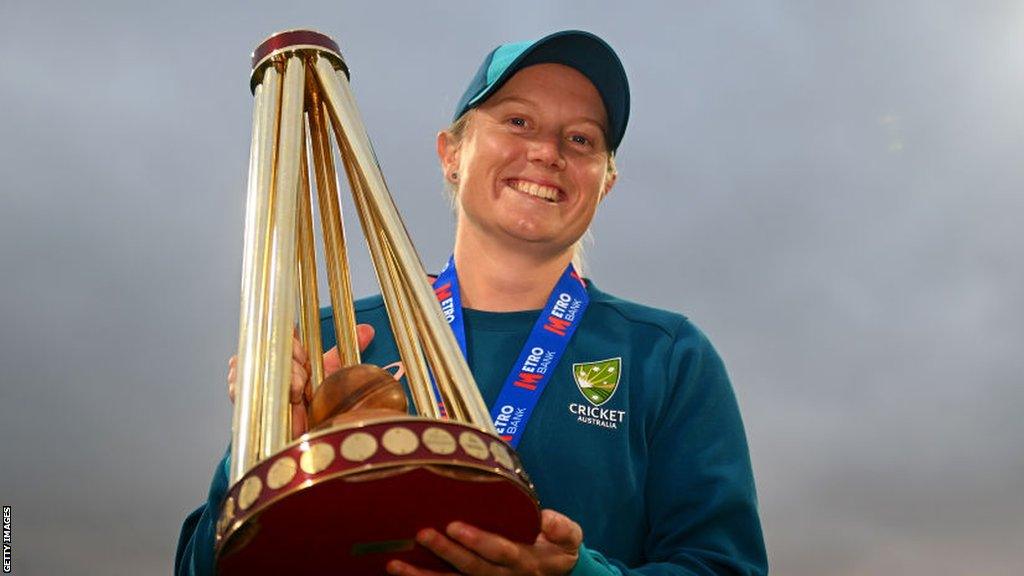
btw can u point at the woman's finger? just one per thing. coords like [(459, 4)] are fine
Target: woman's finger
[(453, 552), (399, 568), (298, 420), (364, 334), (299, 378), (299, 352), (489, 546), (560, 530), (232, 377), (332, 359)]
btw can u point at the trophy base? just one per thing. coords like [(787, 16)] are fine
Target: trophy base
[(347, 500)]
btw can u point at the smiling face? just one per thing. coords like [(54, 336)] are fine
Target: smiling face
[(532, 164)]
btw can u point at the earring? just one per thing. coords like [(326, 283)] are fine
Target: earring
[(455, 175)]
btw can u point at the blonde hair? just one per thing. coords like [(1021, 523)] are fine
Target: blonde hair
[(457, 131)]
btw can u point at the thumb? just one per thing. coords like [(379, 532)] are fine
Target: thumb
[(364, 334), (332, 359), (560, 530)]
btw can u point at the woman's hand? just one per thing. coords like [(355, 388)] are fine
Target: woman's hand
[(300, 391), (478, 553)]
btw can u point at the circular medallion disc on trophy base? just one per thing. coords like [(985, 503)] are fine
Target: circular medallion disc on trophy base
[(361, 493)]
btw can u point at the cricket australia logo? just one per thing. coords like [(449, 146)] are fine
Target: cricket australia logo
[(597, 381)]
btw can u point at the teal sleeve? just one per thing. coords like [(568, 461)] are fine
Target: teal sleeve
[(195, 543), (699, 494), (592, 563)]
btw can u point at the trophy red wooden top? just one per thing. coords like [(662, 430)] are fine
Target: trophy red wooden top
[(290, 38)]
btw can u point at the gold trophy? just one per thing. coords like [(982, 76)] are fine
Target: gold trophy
[(351, 493)]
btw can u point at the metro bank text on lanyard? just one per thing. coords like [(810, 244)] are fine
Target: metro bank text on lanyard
[(540, 355)]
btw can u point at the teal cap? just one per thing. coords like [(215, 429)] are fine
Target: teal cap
[(584, 51)]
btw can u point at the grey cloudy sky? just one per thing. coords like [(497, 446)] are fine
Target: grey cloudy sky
[(832, 190)]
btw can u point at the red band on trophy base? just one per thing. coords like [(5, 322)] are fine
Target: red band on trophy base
[(354, 498)]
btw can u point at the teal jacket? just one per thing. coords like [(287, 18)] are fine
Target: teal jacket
[(657, 472)]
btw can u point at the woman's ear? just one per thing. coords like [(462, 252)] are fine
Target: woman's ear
[(448, 155), (609, 182)]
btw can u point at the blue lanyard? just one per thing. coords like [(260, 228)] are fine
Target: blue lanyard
[(540, 355)]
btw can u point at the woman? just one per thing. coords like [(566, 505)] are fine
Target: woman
[(636, 440)]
